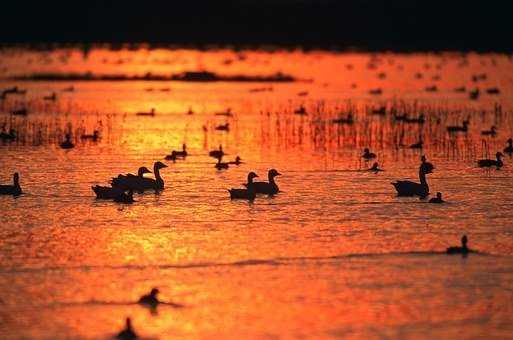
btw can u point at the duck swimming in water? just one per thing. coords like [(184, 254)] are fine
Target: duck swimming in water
[(509, 149), (249, 193), (367, 154), (182, 153), (175, 154), (14, 189), (128, 332), (223, 127), (409, 188), (237, 161), (150, 299), (457, 128), (268, 188), (492, 132), (217, 153), (437, 199), (140, 183), (460, 250), (483, 163), (94, 137), (123, 181), (67, 144)]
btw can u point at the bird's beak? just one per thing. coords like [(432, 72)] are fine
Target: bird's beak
[(278, 174), (163, 166)]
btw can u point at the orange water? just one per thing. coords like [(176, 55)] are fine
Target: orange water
[(335, 254)]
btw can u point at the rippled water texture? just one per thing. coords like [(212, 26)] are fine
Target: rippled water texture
[(335, 254)]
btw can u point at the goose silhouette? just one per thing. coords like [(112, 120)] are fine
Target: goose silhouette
[(268, 188), (367, 154), (139, 183), (491, 132), (67, 144), (437, 199), (128, 332), (460, 250), (151, 113), (223, 127), (175, 154), (182, 153), (14, 189), (237, 161), (94, 137), (150, 299), (122, 181), (484, 163), (409, 188), (217, 153), (249, 193)]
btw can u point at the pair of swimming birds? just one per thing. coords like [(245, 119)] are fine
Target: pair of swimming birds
[(254, 188), (122, 184)]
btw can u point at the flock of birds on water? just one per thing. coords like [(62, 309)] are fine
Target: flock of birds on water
[(122, 187)]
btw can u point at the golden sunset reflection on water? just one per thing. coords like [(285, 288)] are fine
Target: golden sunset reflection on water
[(335, 254)]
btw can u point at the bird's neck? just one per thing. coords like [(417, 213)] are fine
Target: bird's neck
[(271, 179), (422, 177), (156, 171)]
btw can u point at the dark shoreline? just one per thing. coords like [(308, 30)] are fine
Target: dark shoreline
[(85, 47), (185, 76)]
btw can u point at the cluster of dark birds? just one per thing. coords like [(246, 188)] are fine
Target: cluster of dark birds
[(409, 188), (123, 186)]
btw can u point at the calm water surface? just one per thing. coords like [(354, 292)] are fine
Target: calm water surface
[(335, 255)]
